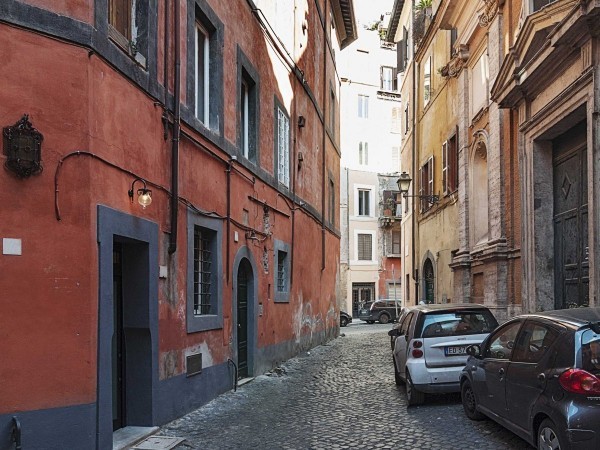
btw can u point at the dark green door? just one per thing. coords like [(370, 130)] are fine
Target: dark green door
[(429, 282), (118, 341), (243, 281), (571, 268)]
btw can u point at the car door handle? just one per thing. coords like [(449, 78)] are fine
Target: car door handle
[(541, 377)]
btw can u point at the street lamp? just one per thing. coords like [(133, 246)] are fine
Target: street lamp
[(404, 184)]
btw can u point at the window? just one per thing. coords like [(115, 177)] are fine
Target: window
[(332, 112), (534, 341), (202, 271), (282, 143), (282, 272), (539, 4), (479, 86), (332, 207), (364, 207), (204, 311), (427, 81), (365, 247), (204, 88), (450, 165), (128, 27), (363, 153), (426, 185), (120, 14), (395, 242), (501, 344), (248, 109), (389, 81), (363, 106), (202, 73)]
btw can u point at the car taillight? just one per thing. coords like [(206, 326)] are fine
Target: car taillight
[(579, 381), (417, 352)]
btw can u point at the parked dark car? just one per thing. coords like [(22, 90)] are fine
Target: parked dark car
[(430, 347), (383, 310), (539, 376), (345, 318)]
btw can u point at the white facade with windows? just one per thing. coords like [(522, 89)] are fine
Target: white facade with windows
[(370, 134)]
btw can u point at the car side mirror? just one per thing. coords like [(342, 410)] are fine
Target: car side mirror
[(474, 350), (394, 332)]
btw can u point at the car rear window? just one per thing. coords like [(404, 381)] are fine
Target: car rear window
[(590, 349), (458, 323)]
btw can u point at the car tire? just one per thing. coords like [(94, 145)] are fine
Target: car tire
[(384, 318), (549, 436), (343, 322), (413, 397), (397, 378), (469, 402)]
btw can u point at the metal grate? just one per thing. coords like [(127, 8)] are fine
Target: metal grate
[(281, 271), (202, 272), (159, 443)]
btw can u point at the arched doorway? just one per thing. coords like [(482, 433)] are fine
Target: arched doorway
[(244, 298), (429, 281)]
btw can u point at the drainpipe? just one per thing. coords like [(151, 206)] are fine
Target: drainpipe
[(324, 134), (415, 273), (293, 172), (175, 138), (165, 116), (228, 171)]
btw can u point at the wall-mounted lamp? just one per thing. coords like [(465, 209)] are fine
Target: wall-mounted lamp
[(144, 194), (301, 121), (404, 184)]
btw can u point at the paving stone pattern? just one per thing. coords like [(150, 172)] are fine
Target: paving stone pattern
[(337, 396)]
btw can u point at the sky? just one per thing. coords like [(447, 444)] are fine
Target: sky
[(368, 11)]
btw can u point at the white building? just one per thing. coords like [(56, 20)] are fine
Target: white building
[(370, 143)]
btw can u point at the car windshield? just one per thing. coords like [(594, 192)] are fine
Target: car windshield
[(458, 323), (590, 346)]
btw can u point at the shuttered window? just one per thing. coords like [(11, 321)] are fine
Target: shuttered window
[(365, 247)]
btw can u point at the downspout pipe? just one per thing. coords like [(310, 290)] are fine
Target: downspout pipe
[(176, 132), (415, 271), (323, 159)]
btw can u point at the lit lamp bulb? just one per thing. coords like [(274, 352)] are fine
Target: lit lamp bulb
[(144, 197)]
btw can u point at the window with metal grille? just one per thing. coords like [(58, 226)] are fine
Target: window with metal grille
[(202, 272), (282, 280), (281, 272), (365, 247)]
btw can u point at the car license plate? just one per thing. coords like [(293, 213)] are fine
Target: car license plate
[(455, 351)]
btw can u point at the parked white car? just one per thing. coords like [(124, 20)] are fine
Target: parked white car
[(430, 346)]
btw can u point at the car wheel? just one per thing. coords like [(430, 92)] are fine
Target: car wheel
[(397, 378), (469, 402), (370, 321), (413, 396), (384, 318), (343, 322), (549, 438)]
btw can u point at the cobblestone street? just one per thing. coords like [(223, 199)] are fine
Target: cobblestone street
[(337, 396)]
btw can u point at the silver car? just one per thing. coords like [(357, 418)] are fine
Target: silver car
[(430, 346)]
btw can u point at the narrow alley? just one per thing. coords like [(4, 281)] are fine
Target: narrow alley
[(339, 395)]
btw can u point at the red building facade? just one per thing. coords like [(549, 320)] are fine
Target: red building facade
[(118, 315)]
